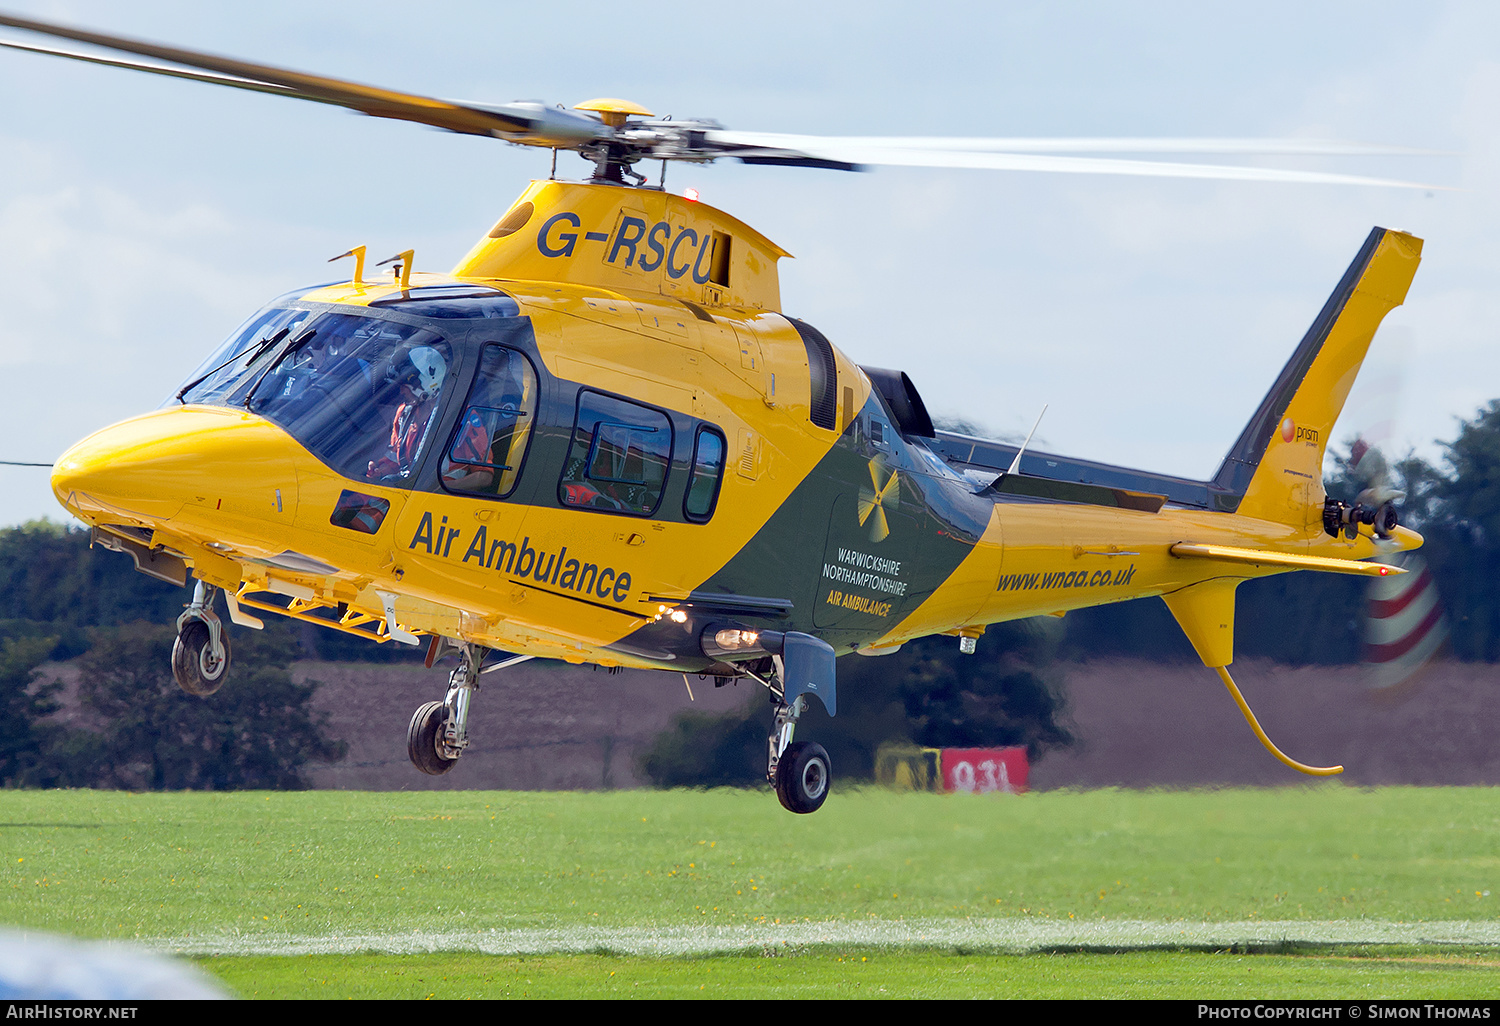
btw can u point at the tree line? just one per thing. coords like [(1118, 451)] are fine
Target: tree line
[(127, 724)]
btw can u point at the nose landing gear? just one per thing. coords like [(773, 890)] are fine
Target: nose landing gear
[(439, 731), (200, 656)]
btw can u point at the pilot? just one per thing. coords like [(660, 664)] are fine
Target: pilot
[(309, 367), (420, 382)]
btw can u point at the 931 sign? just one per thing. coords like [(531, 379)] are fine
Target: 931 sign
[(983, 770)]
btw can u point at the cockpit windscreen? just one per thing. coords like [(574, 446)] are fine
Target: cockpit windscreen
[(361, 393)]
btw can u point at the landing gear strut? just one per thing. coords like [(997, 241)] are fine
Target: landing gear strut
[(200, 656), (439, 731), (799, 770)]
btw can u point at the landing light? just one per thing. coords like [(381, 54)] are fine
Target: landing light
[(667, 612), (736, 639)]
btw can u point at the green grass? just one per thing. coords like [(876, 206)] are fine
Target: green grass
[(107, 864), (521, 875), (871, 974)]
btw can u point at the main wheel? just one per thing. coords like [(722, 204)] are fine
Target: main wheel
[(193, 664), (802, 777), (422, 739)]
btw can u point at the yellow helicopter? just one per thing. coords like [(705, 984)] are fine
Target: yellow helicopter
[(598, 439)]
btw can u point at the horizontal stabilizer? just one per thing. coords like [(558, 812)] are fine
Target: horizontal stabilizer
[(1264, 557)]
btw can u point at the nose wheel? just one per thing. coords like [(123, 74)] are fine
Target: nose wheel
[(425, 740), (200, 656), (196, 667)]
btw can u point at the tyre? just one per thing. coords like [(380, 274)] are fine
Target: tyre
[(422, 739), (803, 776), (193, 666)]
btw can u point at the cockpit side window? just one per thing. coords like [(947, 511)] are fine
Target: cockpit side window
[(707, 474), (618, 458), (489, 444), (361, 393)]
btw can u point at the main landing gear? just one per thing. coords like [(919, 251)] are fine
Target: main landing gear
[(799, 770), (200, 656)]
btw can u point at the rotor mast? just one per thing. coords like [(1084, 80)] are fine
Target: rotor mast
[(613, 159)]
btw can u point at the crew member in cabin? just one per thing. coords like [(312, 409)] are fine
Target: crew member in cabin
[(420, 382)]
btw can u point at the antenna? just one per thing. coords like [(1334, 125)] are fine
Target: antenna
[(1015, 464), (358, 253), (402, 269)]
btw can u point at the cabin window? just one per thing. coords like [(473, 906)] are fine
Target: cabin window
[(707, 474), (618, 457), (484, 457), (475, 302)]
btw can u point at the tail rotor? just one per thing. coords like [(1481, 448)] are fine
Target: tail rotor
[(1404, 624)]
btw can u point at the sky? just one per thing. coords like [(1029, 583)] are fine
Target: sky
[(142, 219)]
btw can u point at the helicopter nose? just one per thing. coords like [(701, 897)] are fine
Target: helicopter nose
[(224, 471)]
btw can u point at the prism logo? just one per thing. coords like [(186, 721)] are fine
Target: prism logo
[(1291, 432)]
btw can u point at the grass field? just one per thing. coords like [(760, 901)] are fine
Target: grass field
[(1326, 891)]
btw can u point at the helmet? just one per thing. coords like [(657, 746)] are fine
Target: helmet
[(430, 368)]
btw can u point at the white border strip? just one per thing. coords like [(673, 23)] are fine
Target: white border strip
[(997, 935)]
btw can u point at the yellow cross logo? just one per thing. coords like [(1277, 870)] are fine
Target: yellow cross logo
[(875, 500)]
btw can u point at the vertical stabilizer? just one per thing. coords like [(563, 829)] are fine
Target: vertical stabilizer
[(1276, 466)]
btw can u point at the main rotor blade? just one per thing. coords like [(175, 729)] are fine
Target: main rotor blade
[(161, 69), (753, 147), (536, 125), (1100, 144), (377, 102)]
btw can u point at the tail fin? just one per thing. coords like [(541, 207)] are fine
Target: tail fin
[(1275, 469)]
